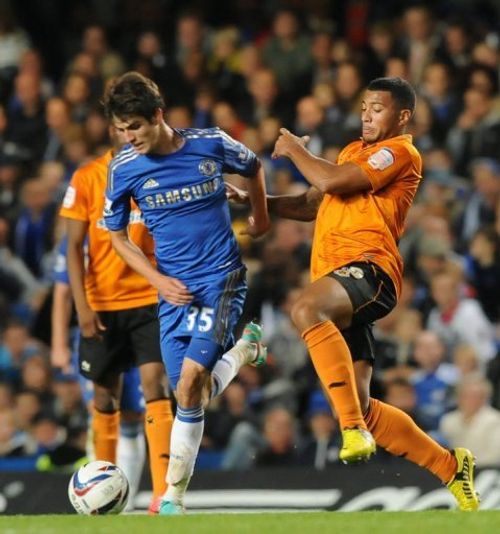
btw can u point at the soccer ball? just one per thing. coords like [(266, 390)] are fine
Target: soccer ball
[(98, 488)]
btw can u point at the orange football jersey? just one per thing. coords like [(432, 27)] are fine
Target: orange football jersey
[(367, 226), (110, 284)]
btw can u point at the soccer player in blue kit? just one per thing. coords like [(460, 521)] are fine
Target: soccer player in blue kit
[(175, 177)]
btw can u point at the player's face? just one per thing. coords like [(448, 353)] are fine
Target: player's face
[(381, 118), (139, 132)]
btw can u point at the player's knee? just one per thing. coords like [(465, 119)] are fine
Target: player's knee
[(105, 401), (305, 313)]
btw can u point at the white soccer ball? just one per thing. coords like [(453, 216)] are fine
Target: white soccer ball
[(98, 488)]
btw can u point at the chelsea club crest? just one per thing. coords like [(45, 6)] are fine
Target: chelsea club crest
[(207, 167)]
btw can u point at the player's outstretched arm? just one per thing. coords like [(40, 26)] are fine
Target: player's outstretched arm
[(326, 176), (171, 289), (303, 207)]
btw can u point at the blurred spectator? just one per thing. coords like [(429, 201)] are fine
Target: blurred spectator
[(466, 360), (68, 406), (419, 40), (68, 456), (381, 46), (22, 286), (26, 131), (459, 320), (288, 51), (58, 119), (27, 406), (455, 49), (76, 93), (476, 132), (438, 88), (12, 443), (480, 209), (95, 43), (311, 121), (220, 420), (264, 100), (15, 347), (225, 117), (224, 64), (280, 436), (45, 434), (475, 424), (483, 270), (13, 42), (433, 380), (33, 230), (323, 447)]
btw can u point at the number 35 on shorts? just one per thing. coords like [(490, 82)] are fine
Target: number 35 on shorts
[(200, 319)]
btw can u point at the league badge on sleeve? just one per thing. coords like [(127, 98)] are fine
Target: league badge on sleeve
[(69, 197), (381, 159)]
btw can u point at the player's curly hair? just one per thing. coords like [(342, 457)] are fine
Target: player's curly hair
[(132, 94), (401, 91)]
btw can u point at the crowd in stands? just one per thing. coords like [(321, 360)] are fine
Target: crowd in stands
[(251, 68)]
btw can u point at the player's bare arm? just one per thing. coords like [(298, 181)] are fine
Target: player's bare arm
[(171, 289), (258, 222), (326, 176), (88, 320), (60, 353), (303, 207)]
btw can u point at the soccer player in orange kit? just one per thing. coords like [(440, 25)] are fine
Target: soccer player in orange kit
[(360, 205)]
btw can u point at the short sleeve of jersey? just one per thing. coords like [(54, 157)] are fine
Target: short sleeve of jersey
[(117, 201), (60, 273), (238, 159), (77, 199), (383, 164)]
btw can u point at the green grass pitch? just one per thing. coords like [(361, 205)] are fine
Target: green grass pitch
[(431, 522)]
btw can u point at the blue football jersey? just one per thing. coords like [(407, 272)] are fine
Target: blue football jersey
[(183, 201)]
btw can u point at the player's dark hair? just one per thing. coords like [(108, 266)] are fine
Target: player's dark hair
[(401, 91), (132, 94)]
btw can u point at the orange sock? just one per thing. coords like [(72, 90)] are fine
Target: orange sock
[(396, 432), (333, 363), (105, 435), (158, 425)]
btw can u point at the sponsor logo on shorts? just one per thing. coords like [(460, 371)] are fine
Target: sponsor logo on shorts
[(345, 272)]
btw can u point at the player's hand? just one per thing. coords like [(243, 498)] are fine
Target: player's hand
[(60, 357), (287, 142), (90, 324), (174, 291), (256, 229), (236, 195)]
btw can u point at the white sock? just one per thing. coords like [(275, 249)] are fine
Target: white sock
[(229, 364), (185, 441), (130, 456)]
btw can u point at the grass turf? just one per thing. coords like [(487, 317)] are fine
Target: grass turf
[(430, 522)]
